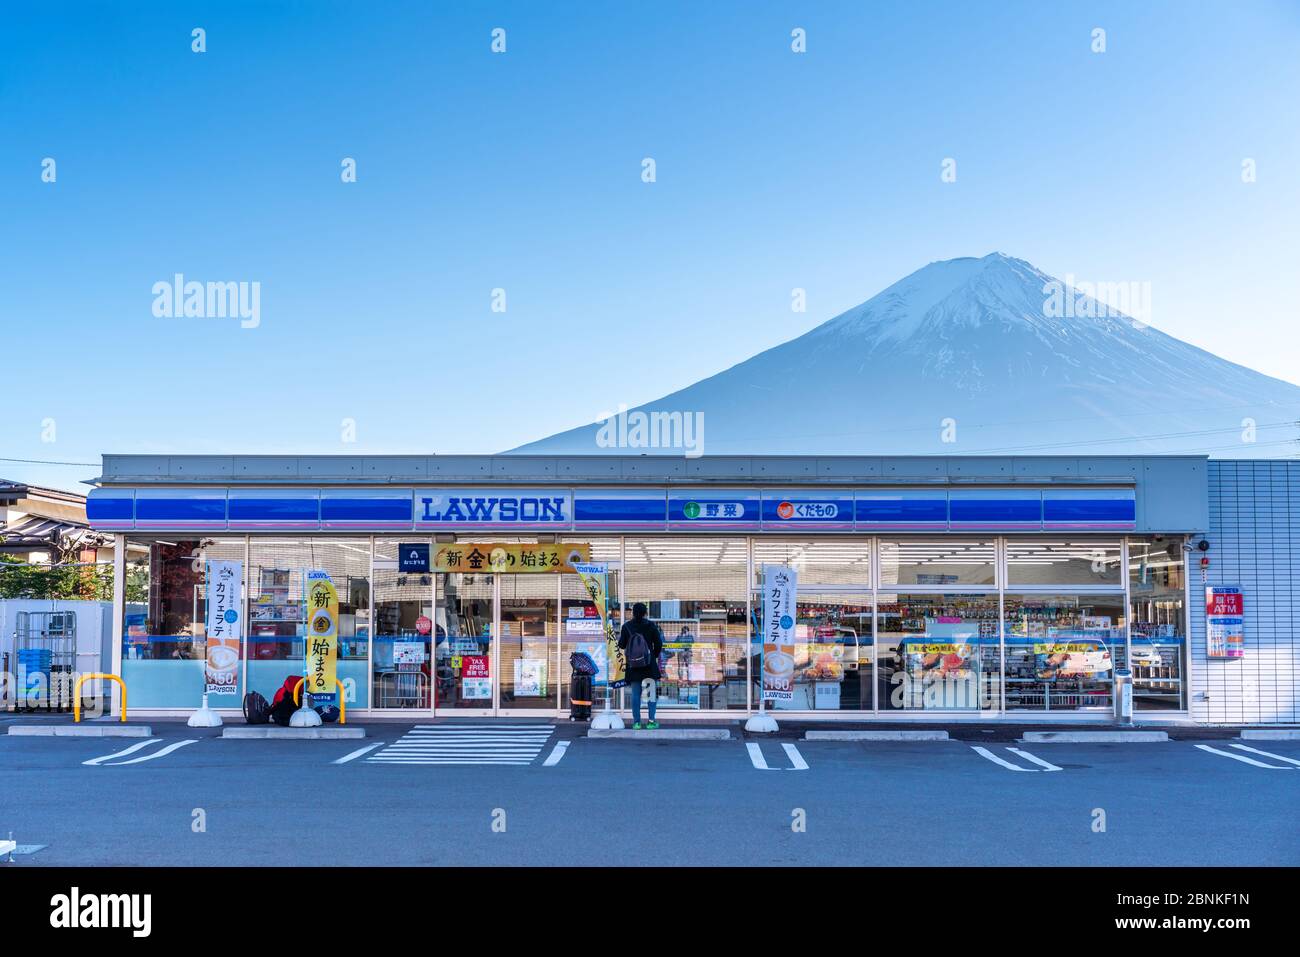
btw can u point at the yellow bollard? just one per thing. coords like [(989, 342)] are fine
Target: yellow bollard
[(76, 694), (343, 702)]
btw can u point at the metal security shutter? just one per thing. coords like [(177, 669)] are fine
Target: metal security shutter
[(1254, 542)]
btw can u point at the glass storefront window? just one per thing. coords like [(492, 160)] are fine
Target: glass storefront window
[(696, 591), (1071, 564), (277, 577), (475, 642), (937, 652), (1158, 630), (839, 563), (937, 562), (834, 658), (164, 637), (404, 631), (833, 652), (1062, 650), (580, 619)]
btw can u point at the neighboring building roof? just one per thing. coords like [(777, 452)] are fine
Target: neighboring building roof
[(45, 518), (34, 533), (11, 492)]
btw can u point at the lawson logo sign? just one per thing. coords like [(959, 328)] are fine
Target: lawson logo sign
[(494, 507)]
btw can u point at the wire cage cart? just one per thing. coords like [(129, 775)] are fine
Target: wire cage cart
[(45, 651)]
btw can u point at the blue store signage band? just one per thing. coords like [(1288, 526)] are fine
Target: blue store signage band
[(619, 509)]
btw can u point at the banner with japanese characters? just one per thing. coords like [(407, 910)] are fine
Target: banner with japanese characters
[(512, 558), (322, 638), (224, 627), (780, 593), (595, 579)]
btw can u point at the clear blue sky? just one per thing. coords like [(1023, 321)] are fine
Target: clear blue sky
[(523, 171)]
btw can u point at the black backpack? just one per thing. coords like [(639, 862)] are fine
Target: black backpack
[(256, 708), (638, 649)]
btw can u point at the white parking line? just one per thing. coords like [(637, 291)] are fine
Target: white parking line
[(123, 753), (1267, 754), (795, 758), (557, 752), (756, 756), (383, 760), (986, 753), (1240, 757), (1039, 761), (160, 753), (358, 752)]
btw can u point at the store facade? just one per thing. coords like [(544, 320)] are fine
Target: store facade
[(990, 588)]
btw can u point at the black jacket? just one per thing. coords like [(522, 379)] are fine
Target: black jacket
[(654, 638)]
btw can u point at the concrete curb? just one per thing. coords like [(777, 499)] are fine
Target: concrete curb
[(277, 733), (875, 736), (666, 734), (1094, 737), (1276, 734), (81, 730)]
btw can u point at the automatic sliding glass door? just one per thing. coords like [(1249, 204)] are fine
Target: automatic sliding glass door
[(528, 639), (465, 663)]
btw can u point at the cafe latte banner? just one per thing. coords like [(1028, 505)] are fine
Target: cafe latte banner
[(224, 627), (322, 638), (780, 595), (513, 558)]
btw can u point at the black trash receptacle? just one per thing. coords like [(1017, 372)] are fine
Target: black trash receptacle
[(580, 697)]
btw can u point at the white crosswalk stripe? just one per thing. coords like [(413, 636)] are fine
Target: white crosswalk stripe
[(467, 744)]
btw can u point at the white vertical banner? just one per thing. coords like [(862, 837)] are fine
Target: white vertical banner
[(780, 598), (225, 629)]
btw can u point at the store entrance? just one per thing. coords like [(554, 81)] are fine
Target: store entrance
[(502, 642)]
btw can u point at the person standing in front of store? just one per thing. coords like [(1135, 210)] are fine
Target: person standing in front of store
[(642, 643)]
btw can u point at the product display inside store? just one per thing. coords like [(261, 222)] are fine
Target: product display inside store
[(985, 624)]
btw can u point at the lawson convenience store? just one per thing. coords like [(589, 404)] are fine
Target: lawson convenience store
[(928, 587)]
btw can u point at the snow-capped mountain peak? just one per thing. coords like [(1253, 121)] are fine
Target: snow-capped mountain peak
[(1007, 356)]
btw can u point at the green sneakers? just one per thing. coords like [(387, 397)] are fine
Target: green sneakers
[(636, 726), (652, 725)]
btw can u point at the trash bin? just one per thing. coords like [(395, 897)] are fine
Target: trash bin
[(580, 686), (1123, 696)]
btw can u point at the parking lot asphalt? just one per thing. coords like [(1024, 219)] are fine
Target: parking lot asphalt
[(542, 793)]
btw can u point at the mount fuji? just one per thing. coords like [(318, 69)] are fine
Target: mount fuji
[(978, 356)]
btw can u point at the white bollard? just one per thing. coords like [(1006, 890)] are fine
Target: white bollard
[(205, 717), (762, 722), (607, 719), (304, 717)]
